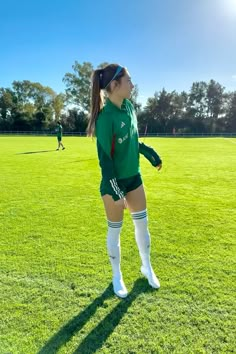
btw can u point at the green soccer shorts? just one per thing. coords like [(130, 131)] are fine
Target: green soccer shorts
[(126, 185)]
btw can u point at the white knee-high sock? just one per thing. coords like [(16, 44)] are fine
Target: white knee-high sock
[(113, 246), (142, 236)]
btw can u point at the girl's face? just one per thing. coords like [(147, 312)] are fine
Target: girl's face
[(124, 88)]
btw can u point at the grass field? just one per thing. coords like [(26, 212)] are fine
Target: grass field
[(56, 295)]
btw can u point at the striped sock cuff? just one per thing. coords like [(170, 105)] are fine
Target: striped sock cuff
[(114, 225), (139, 215)]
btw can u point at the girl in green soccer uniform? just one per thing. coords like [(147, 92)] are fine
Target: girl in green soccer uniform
[(59, 136), (115, 127)]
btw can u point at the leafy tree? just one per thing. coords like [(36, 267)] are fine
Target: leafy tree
[(58, 103), (231, 113), (7, 107), (78, 85)]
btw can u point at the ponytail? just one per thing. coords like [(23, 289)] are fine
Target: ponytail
[(96, 101), (101, 80)]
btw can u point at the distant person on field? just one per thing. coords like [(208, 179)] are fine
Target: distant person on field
[(115, 127), (59, 136)]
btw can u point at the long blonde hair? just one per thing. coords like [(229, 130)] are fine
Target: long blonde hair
[(101, 80)]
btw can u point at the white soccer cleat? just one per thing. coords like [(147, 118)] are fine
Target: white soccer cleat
[(119, 287), (151, 277)]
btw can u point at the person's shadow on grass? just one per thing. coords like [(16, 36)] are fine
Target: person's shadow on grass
[(34, 152), (97, 337)]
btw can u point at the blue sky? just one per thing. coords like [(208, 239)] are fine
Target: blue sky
[(168, 43)]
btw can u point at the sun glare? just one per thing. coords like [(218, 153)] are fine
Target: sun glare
[(228, 7)]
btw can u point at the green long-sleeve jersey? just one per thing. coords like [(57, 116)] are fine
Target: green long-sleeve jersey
[(118, 146), (59, 131)]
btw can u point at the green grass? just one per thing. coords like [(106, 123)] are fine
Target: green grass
[(56, 295)]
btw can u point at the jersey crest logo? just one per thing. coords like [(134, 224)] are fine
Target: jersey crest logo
[(122, 124)]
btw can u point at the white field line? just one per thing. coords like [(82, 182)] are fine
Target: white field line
[(231, 141)]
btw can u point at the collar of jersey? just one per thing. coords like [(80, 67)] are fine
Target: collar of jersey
[(112, 107)]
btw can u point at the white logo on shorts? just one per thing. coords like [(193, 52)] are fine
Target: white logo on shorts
[(122, 124)]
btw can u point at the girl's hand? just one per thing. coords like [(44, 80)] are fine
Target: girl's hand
[(159, 167)]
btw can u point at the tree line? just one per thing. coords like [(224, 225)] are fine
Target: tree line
[(30, 106)]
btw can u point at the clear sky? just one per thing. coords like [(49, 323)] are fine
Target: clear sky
[(168, 43)]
